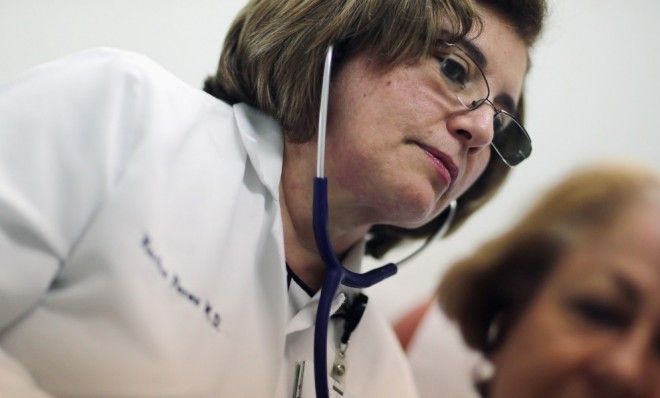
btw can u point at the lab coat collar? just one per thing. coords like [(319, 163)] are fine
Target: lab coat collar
[(263, 141), (306, 316)]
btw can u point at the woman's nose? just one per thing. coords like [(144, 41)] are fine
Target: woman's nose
[(474, 127), (622, 369)]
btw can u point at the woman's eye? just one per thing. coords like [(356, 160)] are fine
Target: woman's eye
[(454, 71), (601, 313), (656, 346)]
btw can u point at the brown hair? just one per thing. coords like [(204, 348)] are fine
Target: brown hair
[(274, 51), (494, 286), (526, 16), (273, 55)]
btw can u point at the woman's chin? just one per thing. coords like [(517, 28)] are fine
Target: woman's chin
[(412, 220), (411, 208)]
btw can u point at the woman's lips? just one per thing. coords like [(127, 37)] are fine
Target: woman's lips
[(442, 163)]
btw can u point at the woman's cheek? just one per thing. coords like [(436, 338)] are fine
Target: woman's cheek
[(475, 168)]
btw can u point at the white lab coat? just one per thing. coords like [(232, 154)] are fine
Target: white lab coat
[(141, 245)]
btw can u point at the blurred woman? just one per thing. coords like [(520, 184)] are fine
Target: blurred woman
[(567, 303)]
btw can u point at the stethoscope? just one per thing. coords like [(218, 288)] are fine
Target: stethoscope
[(336, 273)]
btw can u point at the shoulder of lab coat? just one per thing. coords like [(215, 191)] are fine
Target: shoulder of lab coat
[(68, 130), (53, 124)]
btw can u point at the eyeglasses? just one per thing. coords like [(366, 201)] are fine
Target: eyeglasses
[(468, 82)]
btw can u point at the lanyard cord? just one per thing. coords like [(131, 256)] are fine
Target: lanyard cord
[(351, 313)]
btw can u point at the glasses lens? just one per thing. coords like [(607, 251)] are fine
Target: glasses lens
[(463, 76), (510, 139)]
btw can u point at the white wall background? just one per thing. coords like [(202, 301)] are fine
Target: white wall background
[(592, 93)]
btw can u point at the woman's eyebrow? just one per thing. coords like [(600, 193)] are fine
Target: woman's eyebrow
[(474, 52), (505, 100), (627, 287)]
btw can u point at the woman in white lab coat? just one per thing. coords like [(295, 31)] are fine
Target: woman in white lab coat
[(156, 241)]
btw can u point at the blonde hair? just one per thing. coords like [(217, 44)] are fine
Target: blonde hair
[(496, 283)]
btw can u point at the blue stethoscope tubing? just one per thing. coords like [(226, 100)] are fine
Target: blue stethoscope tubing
[(336, 273)]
